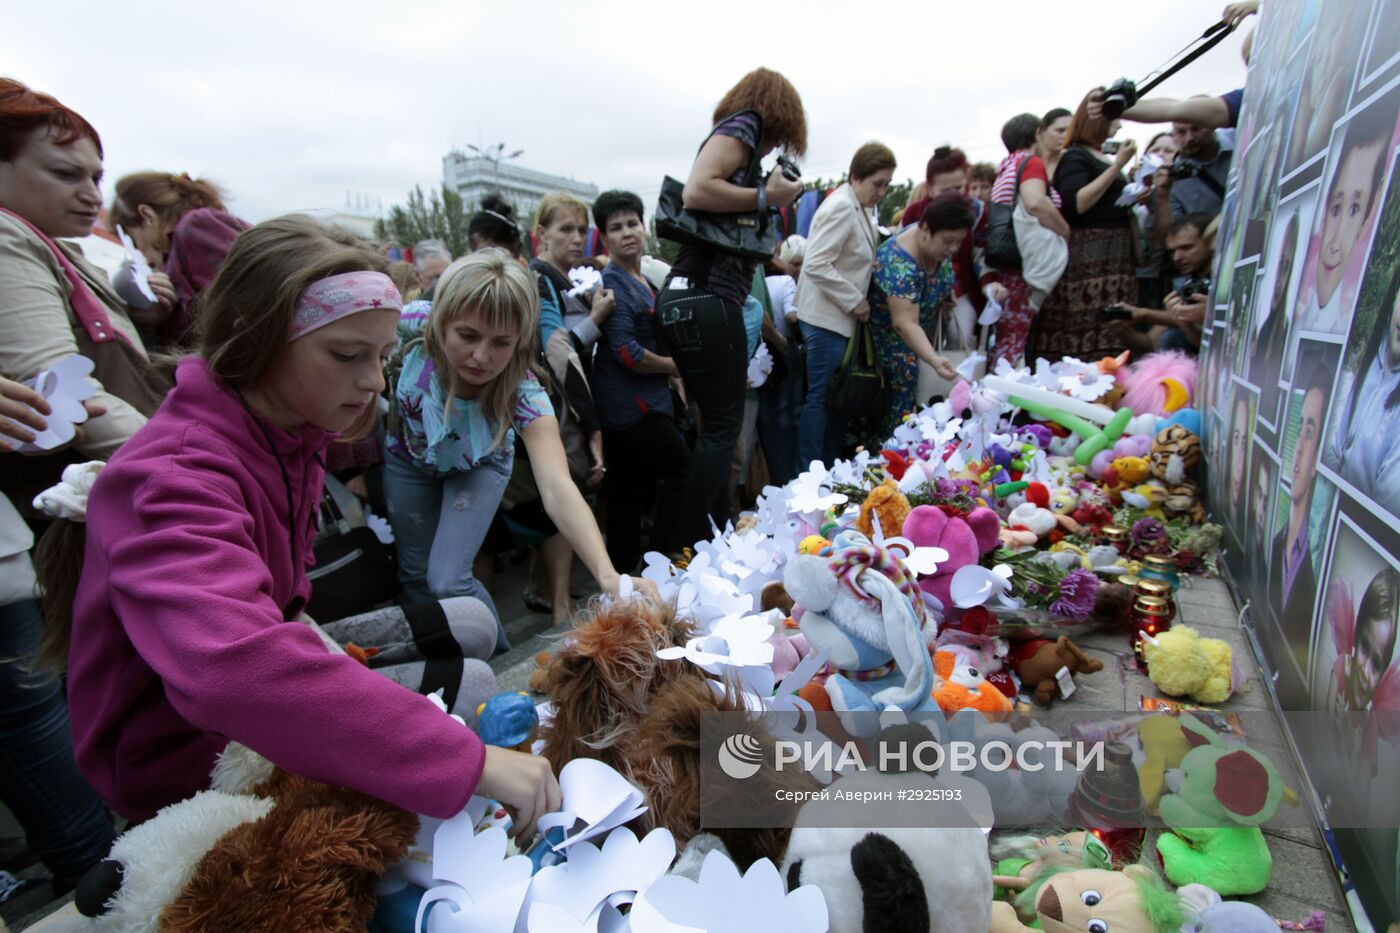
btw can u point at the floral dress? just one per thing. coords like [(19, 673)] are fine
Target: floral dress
[(898, 275)]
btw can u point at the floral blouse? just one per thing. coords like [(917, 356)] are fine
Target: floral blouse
[(440, 439)]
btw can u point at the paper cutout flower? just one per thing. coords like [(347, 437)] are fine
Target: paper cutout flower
[(484, 889), (585, 279), (734, 641), (974, 584), (760, 365), (65, 386), (1087, 384), (755, 902), (574, 894), (812, 491)]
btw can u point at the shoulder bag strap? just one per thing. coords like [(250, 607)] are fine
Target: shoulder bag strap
[(86, 307)]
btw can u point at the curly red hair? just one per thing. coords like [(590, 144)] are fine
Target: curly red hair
[(22, 111), (777, 102)]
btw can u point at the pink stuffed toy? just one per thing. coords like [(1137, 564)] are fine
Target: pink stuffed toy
[(1161, 383), (965, 537)]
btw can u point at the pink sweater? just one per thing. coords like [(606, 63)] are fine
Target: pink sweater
[(179, 635)]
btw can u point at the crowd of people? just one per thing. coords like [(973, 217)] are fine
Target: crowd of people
[(487, 406)]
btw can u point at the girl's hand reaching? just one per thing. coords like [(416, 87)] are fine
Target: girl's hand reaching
[(524, 784)]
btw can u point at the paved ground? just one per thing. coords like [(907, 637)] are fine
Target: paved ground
[(1303, 877)]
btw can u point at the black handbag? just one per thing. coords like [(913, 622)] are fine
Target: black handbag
[(859, 386), (354, 572), (1002, 251), (752, 234)]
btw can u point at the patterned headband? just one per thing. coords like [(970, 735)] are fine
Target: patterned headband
[(338, 296)]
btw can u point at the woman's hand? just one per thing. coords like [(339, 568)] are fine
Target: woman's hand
[(523, 783), (782, 191), (945, 368), (862, 311), (22, 412), (1235, 13), (603, 303), (1125, 155), (995, 291)]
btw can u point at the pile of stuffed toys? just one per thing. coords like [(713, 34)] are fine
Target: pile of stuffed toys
[(944, 576)]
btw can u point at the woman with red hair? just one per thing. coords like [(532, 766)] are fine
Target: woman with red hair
[(701, 306), (1101, 271), (50, 166), (179, 223), (55, 303)]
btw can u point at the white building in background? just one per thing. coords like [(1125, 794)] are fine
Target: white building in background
[(359, 213), (474, 176)]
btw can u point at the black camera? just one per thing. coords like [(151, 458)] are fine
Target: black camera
[(1183, 168), (1193, 288), (1117, 98), (789, 169)]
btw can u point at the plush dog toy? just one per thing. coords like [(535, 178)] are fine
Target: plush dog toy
[(962, 686), (1224, 796), (966, 538), (1183, 664), (886, 503), (614, 700), (1039, 661), (862, 605)]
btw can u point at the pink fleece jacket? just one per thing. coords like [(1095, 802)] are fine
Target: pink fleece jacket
[(180, 639)]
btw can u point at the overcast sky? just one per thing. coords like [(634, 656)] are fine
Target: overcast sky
[(290, 105)]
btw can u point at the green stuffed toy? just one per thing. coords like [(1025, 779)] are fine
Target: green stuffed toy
[(1224, 796)]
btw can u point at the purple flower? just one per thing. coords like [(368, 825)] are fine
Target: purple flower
[(1148, 531), (1078, 591)]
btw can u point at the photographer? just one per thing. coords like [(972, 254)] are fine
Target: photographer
[(1179, 325)]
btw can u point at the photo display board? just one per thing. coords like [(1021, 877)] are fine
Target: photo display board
[(1300, 393)]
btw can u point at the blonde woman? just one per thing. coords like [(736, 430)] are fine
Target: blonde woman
[(466, 389)]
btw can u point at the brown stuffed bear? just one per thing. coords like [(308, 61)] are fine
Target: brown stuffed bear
[(1037, 661), (294, 854)]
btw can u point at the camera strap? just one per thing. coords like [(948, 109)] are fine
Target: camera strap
[(1202, 44)]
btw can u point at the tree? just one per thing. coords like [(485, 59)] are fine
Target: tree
[(441, 216)]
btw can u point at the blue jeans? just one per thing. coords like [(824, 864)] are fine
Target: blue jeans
[(63, 818), (439, 523), (820, 433)]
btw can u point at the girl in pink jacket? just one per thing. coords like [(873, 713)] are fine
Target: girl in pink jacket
[(199, 532)]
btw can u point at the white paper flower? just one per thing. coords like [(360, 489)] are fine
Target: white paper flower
[(65, 386), (485, 889), (1088, 384), (574, 894), (974, 584), (755, 902), (733, 641), (852, 471), (811, 492), (760, 365), (585, 279)]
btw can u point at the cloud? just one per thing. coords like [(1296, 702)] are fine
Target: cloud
[(290, 105)]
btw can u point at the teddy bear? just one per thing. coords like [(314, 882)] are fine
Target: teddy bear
[(966, 538), (887, 504), (1181, 663), (1224, 795), (1039, 662), (1175, 455), (289, 848)]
